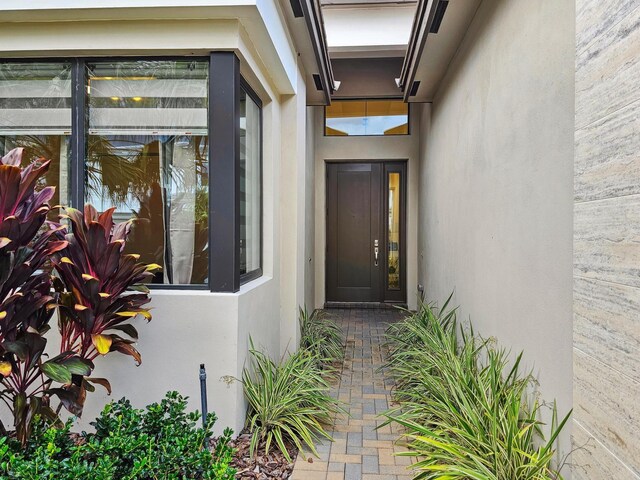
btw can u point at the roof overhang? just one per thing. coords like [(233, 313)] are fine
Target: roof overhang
[(189, 27), (306, 23), (438, 29)]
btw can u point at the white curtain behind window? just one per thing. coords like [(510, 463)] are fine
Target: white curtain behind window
[(182, 200)]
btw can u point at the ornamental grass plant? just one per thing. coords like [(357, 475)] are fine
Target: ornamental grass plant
[(289, 401), (465, 404), (322, 336)]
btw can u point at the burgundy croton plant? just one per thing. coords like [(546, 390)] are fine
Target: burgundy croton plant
[(77, 269)]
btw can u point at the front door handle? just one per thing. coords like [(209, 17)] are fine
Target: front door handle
[(375, 252)]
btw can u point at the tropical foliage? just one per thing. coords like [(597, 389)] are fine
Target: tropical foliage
[(321, 335), (97, 291), (162, 441), (26, 303), (289, 401), (465, 404), (101, 290)]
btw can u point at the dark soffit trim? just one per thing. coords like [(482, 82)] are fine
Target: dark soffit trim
[(425, 13), (296, 7), (315, 26)]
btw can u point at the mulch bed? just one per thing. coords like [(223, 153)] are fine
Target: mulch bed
[(261, 466)]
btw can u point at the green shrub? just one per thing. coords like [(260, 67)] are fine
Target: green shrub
[(466, 411), (161, 442), (288, 401), (50, 454), (321, 335)]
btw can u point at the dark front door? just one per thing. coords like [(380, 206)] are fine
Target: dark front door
[(365, 254)]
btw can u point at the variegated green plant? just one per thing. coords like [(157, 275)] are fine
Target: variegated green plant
[(465, 405), (322, 336), (289, 401)]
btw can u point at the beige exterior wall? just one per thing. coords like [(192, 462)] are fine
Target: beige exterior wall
[(292, 196), (310, 206), (496, 185), (353, 149), (193, 327), (606, 241)]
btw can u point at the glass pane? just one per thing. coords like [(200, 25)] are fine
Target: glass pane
[(147, 155), (370, 117), (250, 185), (346, 118), (35, 114), (387, 117), (393, 258)]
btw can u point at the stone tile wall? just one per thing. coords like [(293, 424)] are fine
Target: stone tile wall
[(606, 430)]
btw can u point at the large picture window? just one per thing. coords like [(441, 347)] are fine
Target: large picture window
[(135, 134), (147, 155)]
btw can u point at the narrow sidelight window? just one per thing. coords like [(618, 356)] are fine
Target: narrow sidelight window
[(147, 154), (35, 114), (393, 232), (395, 186), (250, 185)]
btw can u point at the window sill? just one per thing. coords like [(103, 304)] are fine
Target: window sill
[(199, 290), (250, 276), (159, 287)]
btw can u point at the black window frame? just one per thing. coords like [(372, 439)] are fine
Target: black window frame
[(225, 84)]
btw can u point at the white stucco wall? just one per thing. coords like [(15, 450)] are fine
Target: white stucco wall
[(310, 203), (496, 185), (183, 333), (353, 149), (292, 194)]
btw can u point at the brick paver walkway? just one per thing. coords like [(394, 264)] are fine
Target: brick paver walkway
[(359, 451)]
